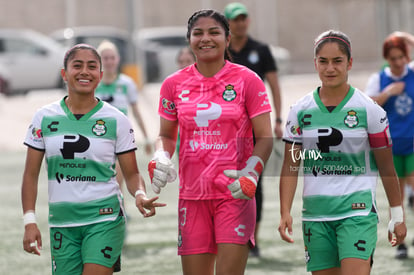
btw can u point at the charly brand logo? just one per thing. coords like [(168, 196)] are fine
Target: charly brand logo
[(183, 96), (239, 230), (206, 112)]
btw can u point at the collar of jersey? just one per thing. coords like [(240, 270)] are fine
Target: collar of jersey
[(323, 108), (85, 116)]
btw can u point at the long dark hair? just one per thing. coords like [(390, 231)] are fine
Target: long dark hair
[(217, 16)]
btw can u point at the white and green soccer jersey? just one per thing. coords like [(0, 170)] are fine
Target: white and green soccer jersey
[(340, 173), (121, 93), (80, 156)]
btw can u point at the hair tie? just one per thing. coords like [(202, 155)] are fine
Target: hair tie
[(333, 37)]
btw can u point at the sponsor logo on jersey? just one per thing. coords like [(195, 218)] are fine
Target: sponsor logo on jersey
[(206, 112), (72, 165), (335, 170), (358, 205), (351, 120), (306, 119), (36, 134), (239, 230), (169, 106), (52, 125), (182, 95), (264, 103), (328, 137), (71, 178), (295, 130), (106, 211), (74, 144), (207, 146), (99, 129), (207, 133), (229, 93)]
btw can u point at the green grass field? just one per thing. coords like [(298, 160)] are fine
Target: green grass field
[(151, 243)]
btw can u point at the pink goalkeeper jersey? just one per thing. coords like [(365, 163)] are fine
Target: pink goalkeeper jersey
[(215, 129)]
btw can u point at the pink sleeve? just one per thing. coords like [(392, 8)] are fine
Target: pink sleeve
[(257, 101), (166, 106)]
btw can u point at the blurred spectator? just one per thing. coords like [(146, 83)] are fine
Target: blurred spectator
[(393, 89), (119, 90), (185, 57)]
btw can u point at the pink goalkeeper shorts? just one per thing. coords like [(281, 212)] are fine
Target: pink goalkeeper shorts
[(202, 224)]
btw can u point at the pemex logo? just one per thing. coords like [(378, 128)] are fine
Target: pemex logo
[(206, 112)]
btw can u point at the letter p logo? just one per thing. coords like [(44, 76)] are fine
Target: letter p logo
[(205, 113)]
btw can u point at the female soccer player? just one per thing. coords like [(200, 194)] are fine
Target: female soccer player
[(342, 138), (216, 104), (119, 90), (393, 89), (80, 137)]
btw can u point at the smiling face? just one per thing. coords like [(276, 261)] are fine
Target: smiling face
[(82, 73), (208, 40), (333, 65)]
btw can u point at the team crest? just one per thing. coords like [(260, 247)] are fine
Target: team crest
[(229, 93), (99, 128), (351, 120)]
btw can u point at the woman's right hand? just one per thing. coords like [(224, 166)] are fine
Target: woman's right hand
[(32, 239)]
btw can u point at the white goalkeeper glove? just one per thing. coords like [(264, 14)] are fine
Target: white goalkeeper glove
[(161, 170), (244, 186)]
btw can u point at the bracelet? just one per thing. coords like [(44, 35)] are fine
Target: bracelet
[(140, 192), (278, 120), (29, 217)]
